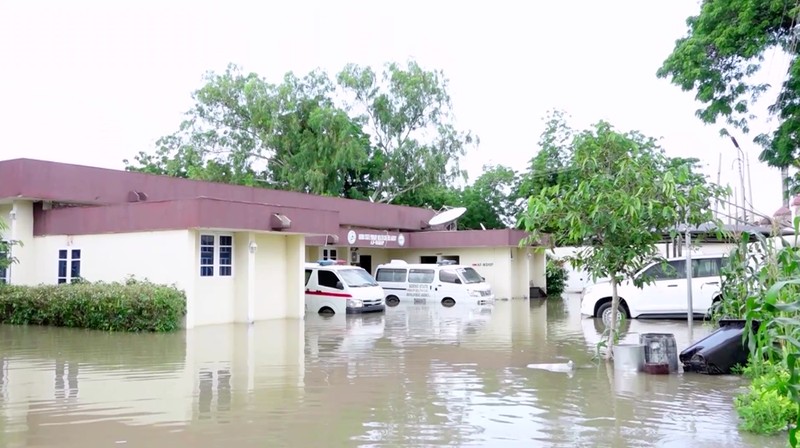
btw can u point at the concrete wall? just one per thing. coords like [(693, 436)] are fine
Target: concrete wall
[(18, 216), (266, 284)]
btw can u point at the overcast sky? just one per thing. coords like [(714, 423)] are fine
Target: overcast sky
[(95, 82)]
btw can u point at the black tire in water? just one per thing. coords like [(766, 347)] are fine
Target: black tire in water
[(604, 312)]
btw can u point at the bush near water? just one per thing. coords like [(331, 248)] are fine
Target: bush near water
[(130, 306), (556, 277)]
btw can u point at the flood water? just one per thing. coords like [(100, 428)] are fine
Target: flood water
[(415, 376)]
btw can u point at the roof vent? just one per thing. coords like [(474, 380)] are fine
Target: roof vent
[(136, 196), (279, 222)]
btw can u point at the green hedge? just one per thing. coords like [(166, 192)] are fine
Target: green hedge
[(130, 306), (556, 277)]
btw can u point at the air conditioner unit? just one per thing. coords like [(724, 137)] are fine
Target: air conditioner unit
[(354, 256)]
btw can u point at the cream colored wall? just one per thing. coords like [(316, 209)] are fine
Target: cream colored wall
[(295, 278), (20, 229), (314, 253), (271, 273), (214, 298), (538, 274), (158, 256), (173, 257), (521, 268), (275, 288), (379, 256)]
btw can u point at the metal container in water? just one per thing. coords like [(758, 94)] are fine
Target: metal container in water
[(628, 357), (660, 352)]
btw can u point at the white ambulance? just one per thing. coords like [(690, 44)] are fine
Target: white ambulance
[(333, 287)]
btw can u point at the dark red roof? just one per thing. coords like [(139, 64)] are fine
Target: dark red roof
[(36, 179)]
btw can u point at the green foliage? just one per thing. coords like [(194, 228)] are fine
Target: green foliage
[(392, 137), (408, 112), (767, 407), (725, 45), (130, 306), (490, 200), (761, 284), (550, 165), (624, 196), (557, 275), (6, 257), (244, 130)]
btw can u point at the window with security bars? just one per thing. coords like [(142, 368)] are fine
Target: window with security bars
[(69, 265), (216, 255)]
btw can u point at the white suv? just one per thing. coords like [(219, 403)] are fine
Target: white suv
[(665, 295)]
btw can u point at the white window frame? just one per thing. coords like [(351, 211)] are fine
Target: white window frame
[(325, 251), (69, 278), (216, 266), (5, 279)]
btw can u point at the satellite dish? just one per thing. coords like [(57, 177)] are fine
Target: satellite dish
[(447, 216)]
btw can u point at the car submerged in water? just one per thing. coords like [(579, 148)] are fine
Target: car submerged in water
[(664, 295)]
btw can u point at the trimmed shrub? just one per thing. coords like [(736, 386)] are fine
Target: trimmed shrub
[(556, 277), (130, 306)]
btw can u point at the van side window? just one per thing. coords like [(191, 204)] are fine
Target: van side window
[(308, 276), (327, 279), (421, 275), (391, 275), (448, 276)]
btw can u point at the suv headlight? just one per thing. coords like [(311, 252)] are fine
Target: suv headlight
[(354, 303), (474, 293)]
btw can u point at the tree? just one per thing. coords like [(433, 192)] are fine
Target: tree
[(408, 114), (490, 200), (550, 165), (390, 137), (6, 259), (244, 130), (432, 196), (725, 45), (626, 196)]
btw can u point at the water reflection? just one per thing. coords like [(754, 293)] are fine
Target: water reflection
[(415, 376)]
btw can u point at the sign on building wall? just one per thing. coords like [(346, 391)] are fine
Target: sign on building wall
[(375, 238)]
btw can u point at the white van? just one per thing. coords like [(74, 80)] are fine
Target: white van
[(340, 289), (443, 282)]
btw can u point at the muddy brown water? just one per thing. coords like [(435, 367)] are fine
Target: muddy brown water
[(415, 376)]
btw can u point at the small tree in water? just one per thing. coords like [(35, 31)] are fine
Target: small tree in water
[(623, 196)]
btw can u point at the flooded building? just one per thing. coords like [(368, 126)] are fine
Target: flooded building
[(238, 252)]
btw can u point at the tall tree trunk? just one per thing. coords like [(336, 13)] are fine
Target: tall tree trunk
[(612, 326)]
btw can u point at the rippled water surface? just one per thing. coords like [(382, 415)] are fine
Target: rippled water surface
[(415, 376)]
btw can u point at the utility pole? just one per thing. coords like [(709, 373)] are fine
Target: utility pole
[(785, 185), (719, 180)]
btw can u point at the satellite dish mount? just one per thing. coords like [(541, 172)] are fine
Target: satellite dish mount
[(447, 218)]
